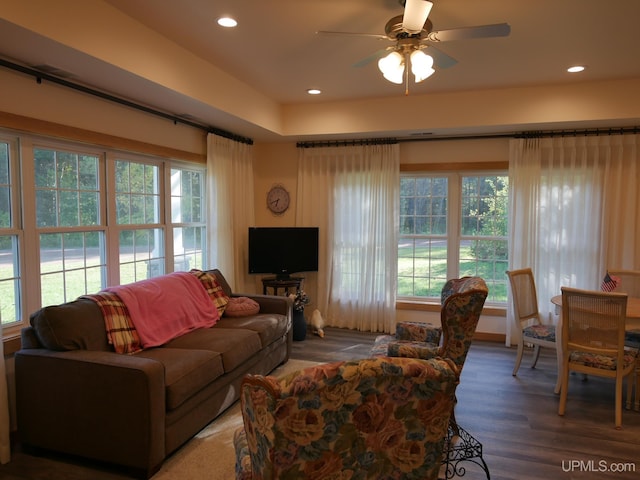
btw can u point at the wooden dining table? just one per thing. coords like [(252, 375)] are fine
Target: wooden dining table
[(632, 322)]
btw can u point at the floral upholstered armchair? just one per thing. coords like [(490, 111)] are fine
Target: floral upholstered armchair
[(364, 419), (462, 300)]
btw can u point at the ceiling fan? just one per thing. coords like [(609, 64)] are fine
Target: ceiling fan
[(413, 34)]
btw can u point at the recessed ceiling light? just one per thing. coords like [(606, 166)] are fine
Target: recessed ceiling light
[(314, 91), (227, 22), (575, 69)]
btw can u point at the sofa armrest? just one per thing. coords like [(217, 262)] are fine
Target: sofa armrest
[(271, 303), (101, 405)]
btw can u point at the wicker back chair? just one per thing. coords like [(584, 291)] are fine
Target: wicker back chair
[(593, 336)]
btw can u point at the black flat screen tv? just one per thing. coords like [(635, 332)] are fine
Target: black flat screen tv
[(282, 251)]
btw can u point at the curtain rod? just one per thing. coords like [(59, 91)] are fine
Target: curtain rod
[(524, 134), (347, 143), (39, 76), (579, 132)]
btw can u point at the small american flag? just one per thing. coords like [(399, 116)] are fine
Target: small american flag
[(609, 283)]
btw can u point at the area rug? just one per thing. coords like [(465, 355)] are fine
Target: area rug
[(210, 454)]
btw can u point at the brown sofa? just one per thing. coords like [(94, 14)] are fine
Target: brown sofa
[(77, 396)]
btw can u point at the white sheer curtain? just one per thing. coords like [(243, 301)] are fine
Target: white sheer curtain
[(231, 209), (5, 446), (574, 210), (351, 193)]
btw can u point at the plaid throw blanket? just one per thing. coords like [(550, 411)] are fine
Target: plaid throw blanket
[(121, 332)]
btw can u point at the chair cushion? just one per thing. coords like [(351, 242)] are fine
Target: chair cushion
[(419, 332), (541, 332), (381, 345), (388, 346), (604, 362)]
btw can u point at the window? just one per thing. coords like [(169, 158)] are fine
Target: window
[(187, 218), (68, 222), (10, 235), (452, 225), (142, 252), (91, 219)]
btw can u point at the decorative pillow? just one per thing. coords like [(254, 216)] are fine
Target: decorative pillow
[(241, 307), (213, 288)]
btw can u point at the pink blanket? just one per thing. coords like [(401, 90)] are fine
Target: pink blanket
[(165, 307)]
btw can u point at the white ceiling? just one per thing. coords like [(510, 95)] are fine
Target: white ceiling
[(275, 48)]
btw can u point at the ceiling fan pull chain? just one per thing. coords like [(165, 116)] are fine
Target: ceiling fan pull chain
[(406, 74)]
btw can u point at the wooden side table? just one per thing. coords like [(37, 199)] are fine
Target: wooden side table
[(276, 284)]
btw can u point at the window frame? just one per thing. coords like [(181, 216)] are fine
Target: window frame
[(454, 174), (15, 230), (24, 209)]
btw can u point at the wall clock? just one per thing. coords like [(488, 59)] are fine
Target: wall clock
[(278, 199)]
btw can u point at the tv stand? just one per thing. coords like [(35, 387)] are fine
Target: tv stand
[(279, 281)]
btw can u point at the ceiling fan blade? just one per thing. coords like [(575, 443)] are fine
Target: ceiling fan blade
[(416, 13), (440, 59), (353, 34), (465, 33), (375, 56)]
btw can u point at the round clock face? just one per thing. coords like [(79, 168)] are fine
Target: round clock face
[(278, 200)]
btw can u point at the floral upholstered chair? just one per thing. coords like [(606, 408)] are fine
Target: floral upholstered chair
[(367, 419), (462, 300)]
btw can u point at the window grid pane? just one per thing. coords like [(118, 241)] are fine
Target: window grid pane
[(137, 193), (10, 280), (5, 188), (187, 248), (141, 254), (71, 265), (422, 245), (62, 179), (187, 214), (483, 245)]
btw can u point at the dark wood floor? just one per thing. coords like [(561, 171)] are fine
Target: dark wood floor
[(515, 419)]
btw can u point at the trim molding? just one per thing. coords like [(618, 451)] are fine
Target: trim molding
[(442, 167), (43, 127), (435, 307), (11, 345)]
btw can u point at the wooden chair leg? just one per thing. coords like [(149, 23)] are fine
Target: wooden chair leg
[(518, 357), (564, 390), (536, 355), (619, 403)]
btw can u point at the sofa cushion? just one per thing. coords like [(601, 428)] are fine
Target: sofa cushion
[(185, 372), (241, 307), (270, 326), (76, 325), (235, 345)]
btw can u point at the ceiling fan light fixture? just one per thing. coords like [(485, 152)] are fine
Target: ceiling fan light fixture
[(392, 67), (416, 13), (421, 65)]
